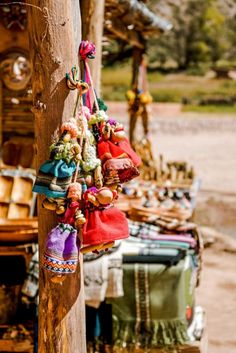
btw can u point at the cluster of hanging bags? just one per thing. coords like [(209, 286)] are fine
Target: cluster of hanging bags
[(89, 160)]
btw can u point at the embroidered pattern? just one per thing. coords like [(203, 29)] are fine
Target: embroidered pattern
[(59, 266)]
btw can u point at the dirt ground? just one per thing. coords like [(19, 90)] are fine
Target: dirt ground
[(217, 293), (208, 142)]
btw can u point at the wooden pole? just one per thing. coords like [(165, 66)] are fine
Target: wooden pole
[(55, 33), (133, 111), (92, 30), (1, 115), (124, 35)]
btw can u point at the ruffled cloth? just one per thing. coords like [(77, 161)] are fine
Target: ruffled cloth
[(151, 314), (103, 226), (58, 168), (115, 275), (95, 281), (103, 277)]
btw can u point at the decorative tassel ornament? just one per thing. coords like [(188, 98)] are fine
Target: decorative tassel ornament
[(88, 161)]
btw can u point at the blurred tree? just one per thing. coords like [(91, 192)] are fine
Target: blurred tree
[(198, 35), (231, 33), (204, 32), (214, 31)]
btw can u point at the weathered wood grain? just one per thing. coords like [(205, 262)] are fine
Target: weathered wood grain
[(54, 35)]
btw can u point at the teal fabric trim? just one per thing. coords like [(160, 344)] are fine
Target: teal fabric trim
[(58, 168), (49, 193), (173, 244)]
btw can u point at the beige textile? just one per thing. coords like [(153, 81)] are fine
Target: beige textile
[(103, 277)]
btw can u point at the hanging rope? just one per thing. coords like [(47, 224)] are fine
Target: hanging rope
[(79, 101), (87, 50)]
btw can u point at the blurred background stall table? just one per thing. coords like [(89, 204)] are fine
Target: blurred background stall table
[(18, 238), (159, 270)]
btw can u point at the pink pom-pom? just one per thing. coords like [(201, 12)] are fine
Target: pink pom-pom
[(86, 112), (87, 50), (74, 191)]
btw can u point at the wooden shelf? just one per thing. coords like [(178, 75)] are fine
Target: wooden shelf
[(16, 346), (16, 118)]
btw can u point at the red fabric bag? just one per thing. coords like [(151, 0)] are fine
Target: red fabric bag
[(104, 226), (107, 150), (125, 146), (124, 167)]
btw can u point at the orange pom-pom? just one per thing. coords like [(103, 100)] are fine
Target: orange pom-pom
[(71, 127)]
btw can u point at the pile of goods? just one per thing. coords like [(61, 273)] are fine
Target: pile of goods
[(158, 266), (88, 161), (160, 215), (16, 339), (161, 263), (178, 173), (149, 199)]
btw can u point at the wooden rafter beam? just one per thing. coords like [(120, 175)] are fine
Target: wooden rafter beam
[(133, 13), (127, 37)]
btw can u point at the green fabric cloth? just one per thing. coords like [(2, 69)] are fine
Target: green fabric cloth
[(160, 294)]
